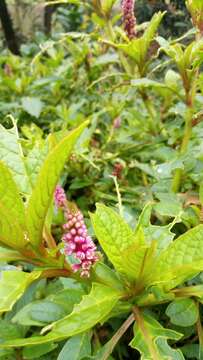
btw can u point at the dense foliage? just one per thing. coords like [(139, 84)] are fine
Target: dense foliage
[(110, 268)]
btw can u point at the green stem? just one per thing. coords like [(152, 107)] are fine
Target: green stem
[(120, 206), (200, 333), (151, 111), (129, 71), (124, 61), (183, 149), (109, 29), (140, 322)]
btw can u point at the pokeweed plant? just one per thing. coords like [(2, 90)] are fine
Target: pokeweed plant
[(152, 272), (150, 269)]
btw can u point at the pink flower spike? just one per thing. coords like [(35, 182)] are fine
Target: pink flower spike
[(60, 197), (129, 19), (76, 239)]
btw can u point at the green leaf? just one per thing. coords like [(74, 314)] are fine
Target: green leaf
[(151, 30), (67, 298), (151, 340), (146, 83), (12, 219), (93, 308), (182, 312), (48, 177), (46, 311), (12, 287), (180, 261), (12, 155), (23, 317), (104, 274), (137, 48), (96, 305), (191, 351), (162, 235), (107, 5), (8, 331), (9, 194), (7, 255), (195, 6), (124, 249), (201, 193), (172, 79), (11, 233), (169, 205), (76, 348), (35, 351), (32, 106), (35, 159)]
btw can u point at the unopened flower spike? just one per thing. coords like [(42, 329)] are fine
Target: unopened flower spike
[(76, 239), (129, 19), (60, 197)]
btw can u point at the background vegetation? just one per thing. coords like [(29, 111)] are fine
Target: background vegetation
[(140, 155)]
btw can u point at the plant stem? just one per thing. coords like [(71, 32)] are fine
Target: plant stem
[(124, 62), (52, 273), (200, 333), (49, 239), (129, 71), (151, 111), (117, 336), (120, 206), (183, 149), (145, 333), (190, 92)]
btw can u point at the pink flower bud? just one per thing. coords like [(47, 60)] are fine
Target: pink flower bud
[(129, 19), (60, 197), (76, 239)]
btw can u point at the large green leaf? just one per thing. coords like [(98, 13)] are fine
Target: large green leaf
[(12, 155), (12, 287), (151, 30), (35, 159), (12, 219), (180, 261), (76, 348), (151, 340), (93, 308), (37, 351), (124, 249), (9, 194), (48, 177)]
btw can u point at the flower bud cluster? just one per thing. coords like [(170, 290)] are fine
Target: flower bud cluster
[(76, 239), (60, 197), (129, 19)]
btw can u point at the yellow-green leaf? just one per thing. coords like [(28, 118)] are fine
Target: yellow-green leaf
[(124, 249), (48, 177), (12, 287), (93, 308), (12, 155), (12, 212), (180, 261)]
